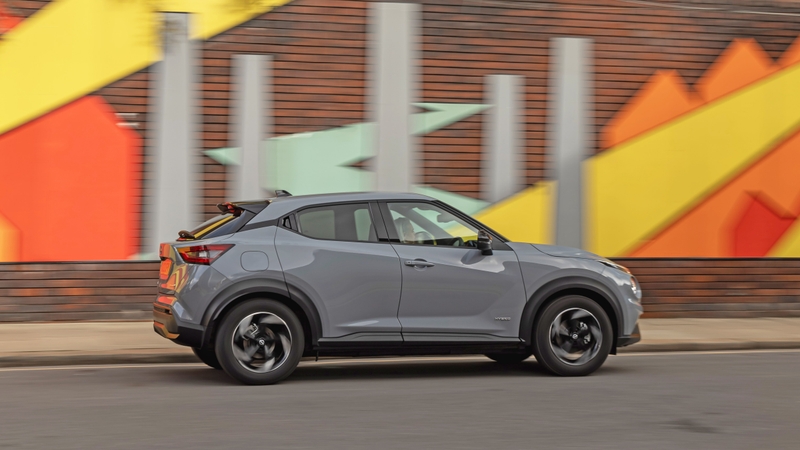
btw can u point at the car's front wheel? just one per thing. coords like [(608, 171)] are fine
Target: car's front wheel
[(572, 336), (260, 342)]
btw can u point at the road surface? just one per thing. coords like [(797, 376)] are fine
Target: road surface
[(741, 400)]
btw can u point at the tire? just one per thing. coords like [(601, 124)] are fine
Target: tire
[(556, 347), (208, 356), (508, 358), (260, 342)]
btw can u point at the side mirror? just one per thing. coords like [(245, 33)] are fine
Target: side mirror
[(484, 242)]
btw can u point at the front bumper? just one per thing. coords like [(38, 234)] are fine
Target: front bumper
[(166, 325), (635, 336)]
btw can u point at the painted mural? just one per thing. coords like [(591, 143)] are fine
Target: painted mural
[(70, 170), (711, 170)]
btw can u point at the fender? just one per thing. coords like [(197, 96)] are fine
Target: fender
[(560, 284), (268, 286)]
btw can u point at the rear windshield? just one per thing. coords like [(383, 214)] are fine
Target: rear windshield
[(220, 225)]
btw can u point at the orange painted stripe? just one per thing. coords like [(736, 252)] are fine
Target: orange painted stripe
[(665, 97)]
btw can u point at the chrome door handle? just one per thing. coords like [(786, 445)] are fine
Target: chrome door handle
[(418, 263)]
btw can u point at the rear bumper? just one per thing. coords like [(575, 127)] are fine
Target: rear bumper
[(166, 325), (636, 336)]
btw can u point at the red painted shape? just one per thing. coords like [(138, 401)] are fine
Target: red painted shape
[(7, 20), (759, 228), (70, 182)]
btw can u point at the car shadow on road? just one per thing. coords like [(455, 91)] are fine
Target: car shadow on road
[(353, 369), (393, 370)]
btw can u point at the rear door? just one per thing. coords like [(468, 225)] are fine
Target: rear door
[(334, 255), (451, 292)]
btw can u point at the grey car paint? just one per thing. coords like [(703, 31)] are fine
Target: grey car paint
[(539, 269), (348, 288), (462, 292), (354, 285)]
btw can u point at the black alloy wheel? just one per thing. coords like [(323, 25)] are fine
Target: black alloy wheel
[(260, 342), (572, 336)]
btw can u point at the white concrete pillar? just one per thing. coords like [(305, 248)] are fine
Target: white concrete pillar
[(571, 132), (394, 39), (251, 125), (503, 166)]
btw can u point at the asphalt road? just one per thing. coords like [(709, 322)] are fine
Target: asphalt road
[(668, 401)]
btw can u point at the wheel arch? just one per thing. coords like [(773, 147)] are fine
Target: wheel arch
[(561, 287), (277, 290)]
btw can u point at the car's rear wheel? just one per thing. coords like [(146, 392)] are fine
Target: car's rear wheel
[(509, 358), (208, 356), (260, 342), (572, 336)]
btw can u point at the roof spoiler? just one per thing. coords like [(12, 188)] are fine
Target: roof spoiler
[(237, 208)]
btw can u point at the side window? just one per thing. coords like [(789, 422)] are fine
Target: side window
[(351, 222), (428, 224)]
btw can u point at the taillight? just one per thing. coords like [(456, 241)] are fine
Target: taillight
[(203, 254)]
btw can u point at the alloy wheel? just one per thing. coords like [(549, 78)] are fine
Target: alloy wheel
[(262, 342), (575, 336)]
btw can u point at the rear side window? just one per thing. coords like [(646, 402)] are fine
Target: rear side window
[(351, 222)]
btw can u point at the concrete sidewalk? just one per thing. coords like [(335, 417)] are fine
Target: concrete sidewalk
[(26, 344)]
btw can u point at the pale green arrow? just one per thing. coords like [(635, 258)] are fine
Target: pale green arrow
[(319, 162), (441, 115), (463, 203)]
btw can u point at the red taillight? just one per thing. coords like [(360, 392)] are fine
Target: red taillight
[(203, 254)]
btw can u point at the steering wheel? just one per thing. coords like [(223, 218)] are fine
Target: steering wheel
[(458, 242), (422, 236)]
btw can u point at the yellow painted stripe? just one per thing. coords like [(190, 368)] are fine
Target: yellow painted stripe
[(71, 48), (524, 217), (642, 185), (789, 243)]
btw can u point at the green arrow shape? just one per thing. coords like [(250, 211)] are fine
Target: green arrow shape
[(463, 203), (229, 156), (441, 115), (318, 162)]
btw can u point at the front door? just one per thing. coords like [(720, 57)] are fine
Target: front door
[(451, 292), (331, 253)]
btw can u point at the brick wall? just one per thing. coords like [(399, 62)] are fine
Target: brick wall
[(320, 81), (77, 291), (718, 287), (672, 288)]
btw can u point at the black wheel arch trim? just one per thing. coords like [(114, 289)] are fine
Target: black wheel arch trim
[(553, 287), (266, 286)]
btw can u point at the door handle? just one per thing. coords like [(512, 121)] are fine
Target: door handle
[(418, 263)]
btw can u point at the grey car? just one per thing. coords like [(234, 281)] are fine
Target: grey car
[(267, 282)]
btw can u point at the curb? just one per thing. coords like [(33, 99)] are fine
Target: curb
[(183, 357), (96, 358), (709, 346)]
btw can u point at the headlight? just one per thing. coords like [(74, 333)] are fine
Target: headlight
[(634, 285), (614, 265)]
